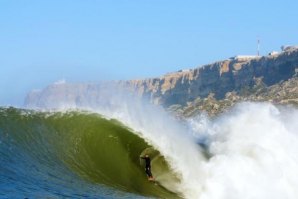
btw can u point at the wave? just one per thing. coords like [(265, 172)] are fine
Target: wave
[(248, 152), (74, 153)]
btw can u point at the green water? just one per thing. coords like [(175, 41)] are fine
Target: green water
[(99, 151)]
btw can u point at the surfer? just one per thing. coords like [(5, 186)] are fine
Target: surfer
[(147, 166)]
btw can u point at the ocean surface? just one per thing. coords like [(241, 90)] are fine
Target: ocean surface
[(248, 152)]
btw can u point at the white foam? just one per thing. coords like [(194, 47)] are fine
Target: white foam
[(255, 154)]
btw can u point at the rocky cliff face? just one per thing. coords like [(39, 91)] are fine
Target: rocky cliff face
[(238, 77), (233, 75), (284, 92)]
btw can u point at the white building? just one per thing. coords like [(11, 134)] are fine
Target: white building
[(244, 57), (273, 53)]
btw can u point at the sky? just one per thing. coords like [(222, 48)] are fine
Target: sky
[(42, 42)]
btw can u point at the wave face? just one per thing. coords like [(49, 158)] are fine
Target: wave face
[(74, 154), (250, 152)]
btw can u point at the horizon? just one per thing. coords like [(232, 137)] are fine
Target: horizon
[(92, 41)]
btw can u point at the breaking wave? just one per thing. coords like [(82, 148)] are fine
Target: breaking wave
[(249, 152)]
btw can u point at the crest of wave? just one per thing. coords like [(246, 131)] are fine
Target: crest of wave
[(157, 127), (253, 148), (167, 135)]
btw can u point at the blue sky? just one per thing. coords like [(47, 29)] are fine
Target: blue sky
[(92, 40)]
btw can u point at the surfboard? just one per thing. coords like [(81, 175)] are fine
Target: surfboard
[(151, 179)]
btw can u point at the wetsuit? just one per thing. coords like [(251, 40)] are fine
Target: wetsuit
[(148, 166)]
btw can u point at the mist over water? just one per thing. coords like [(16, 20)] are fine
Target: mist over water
[(252, 149)]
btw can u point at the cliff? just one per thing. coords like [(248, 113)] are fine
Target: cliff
[(284, 92), (220, 78), (239, 78)]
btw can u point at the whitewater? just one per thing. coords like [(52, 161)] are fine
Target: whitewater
[(248, 152), (253, 150)]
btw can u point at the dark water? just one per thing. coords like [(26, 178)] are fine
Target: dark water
[(73, 155)]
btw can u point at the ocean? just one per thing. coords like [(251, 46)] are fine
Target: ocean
[(248, 152)]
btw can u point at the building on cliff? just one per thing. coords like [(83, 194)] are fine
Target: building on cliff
[(244, 57), (273, 53)]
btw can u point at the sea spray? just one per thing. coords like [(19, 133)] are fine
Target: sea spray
[(254, 152), (158, 128), (168, 136), (253, 148)]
